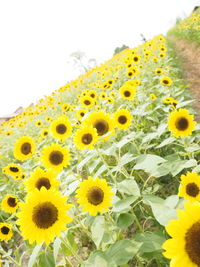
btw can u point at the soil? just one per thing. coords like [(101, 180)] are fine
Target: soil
[(189, 54)]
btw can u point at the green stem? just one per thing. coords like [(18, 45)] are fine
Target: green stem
[(79, 259), (10, 258)]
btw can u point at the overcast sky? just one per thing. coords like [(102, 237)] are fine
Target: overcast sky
[(38, 36)]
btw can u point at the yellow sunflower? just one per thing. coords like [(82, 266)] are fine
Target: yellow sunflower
[(94, 195), (102, 122), (61, 128), (5, 231), (43, 216), (39, 178), (81, 113), (122, 118), (87, 101), (24, 147), (44, 133), (9, 203), (181, 123), (190, 186), (152, 96), (166, 81), (55, 157), (183, 247), (13, 170), (127, 92), (85, 137)]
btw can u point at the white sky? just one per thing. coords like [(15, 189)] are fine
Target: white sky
[(37, 37)]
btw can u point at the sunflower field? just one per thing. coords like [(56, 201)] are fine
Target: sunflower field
[(104, 172)]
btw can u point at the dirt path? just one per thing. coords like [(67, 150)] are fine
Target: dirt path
[(189, 53)]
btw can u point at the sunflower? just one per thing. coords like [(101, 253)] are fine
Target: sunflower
[(122, 118), (152, 96), (166, 81), (5, 231), (65, 107), (61, 128), (183, 247), (94, 195), (39, 178), (132, 71), (158, 71), (81, 113), (13, 170), (190, 187), (38, 123), (87, 101), (55, 157), (24, 147), (85, 137), (127, 92), (101, 121), (9, 204), (181, 123), (44, 133), (168, 100), (43, 216)]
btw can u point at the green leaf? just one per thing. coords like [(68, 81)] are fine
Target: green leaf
[(124, 204), (98, 259), (34, 255), (129, 186), (167, 141), (46, 259), (97, 229), (125, 220), (56, 247), (122, 251), (151, 241), (102, 169)]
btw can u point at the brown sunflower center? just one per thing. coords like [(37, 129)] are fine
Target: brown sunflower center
[(101, 126), (61, 128), (14, 169), (87, 138), (130, 73), (87, 102), (95, 195), (43, 182), (192, 243), (5, 230), (127, 93), (192, 189), (122, 119), (165, 81), (12, 202), (26, 148), (181, 123), (44, 215), (56, 157), (82, 114)]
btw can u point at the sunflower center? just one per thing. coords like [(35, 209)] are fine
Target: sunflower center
[(87, 102), (26, 148), (181, 123), (127, 93), (192, 245), (45, 215), (82, 114), (12, 202), (56, 157), (165, 81), (5, 230), (192, 189), (14, 169), (122, 119), (61, 128), (95, 195), (101, 126), (42, 182), (87, 139)]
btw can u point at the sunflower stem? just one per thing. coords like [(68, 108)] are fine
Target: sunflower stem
[(3, 252), (79, 259)]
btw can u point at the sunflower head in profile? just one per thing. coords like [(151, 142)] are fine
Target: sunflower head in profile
[(102, 122), (61, 128), (181, 123), (39, 178), (43, 215), (24, 148), (166, 81), (9, 203), (13, 170), (5, 231), (94, 195), (152, 96), (183, 247), (85, 137), (55, 157), (190, 186), (122, 118)]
